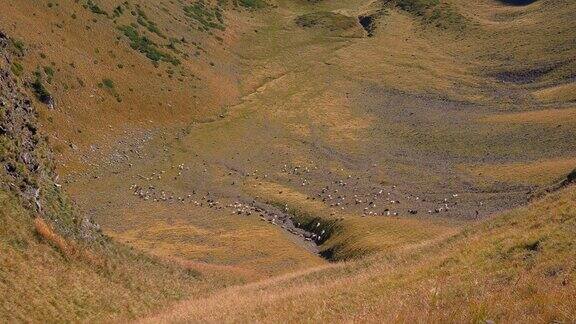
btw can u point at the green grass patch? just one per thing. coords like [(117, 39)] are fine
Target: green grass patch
[(434, 12), (145, 46), (143, 20), (95, 8), (18, 46), (252, 4), (208, 17), (108, 85), (49, 71), (329, 20), (39, 89), (17, 68)]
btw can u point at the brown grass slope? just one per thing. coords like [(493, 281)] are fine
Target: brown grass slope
[(46, 277), (517, 266), (55, 265), (161, 68), (498, 270), (454, 102)]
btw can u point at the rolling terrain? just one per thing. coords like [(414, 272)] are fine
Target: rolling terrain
[(302, 161)]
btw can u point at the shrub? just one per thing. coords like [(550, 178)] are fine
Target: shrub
[(108, 83), (17, 46), (118, 11), (17, 68), (49, 73), (143, 20), (146, 46), (252, 4), (40, 90), (95, 9), (209, 18)]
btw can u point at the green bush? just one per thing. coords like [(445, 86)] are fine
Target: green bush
[(108, 83), (146, 46), (209, 18), (95, 8), (143, 20), (17, 46), (118, 11), (39, 89), (17, 68), (49, 73), (252, 4)]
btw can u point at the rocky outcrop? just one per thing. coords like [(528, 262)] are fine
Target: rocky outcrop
[(26, 164), (20, 155)]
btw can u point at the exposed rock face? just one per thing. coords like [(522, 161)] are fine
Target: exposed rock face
[(19, 141), (26, 165)]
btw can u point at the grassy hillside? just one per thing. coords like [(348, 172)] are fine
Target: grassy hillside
[(331, 160), (55, 264), (517, 266), (116, 65), (67, 280)]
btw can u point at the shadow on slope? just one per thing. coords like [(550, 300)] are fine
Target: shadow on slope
[(517, 2)]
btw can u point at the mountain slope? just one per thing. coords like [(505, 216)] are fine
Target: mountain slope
[(293, 149), (517, 266), (55, 264)]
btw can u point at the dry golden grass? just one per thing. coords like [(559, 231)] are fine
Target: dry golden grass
[(400, 56), (248, 248), (45, 276), (47, 233), (539, 173), (548, 116), (563, 92), (518, 266), (84, 50), (295, 84), (68, 248)]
